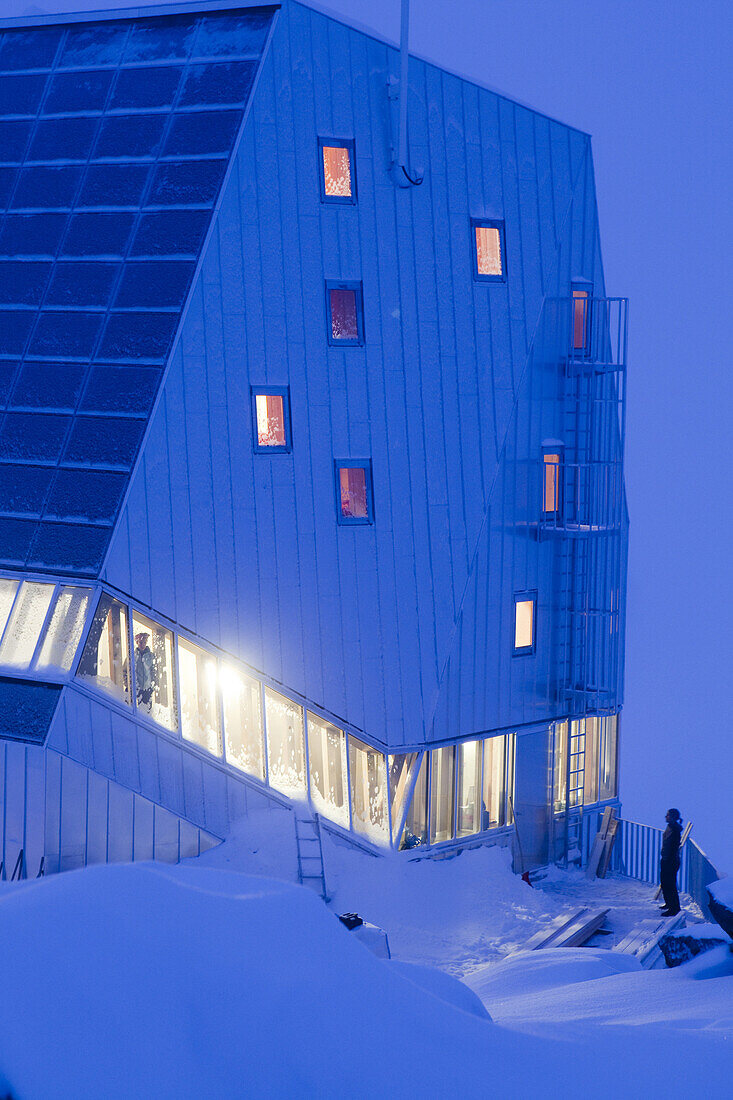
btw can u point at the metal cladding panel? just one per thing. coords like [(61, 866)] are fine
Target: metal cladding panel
[(27, 709), (115, 138), (371, 623)]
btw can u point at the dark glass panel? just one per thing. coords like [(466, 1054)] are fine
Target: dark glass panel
[(121, 389), (68, 548), (13, 140), (114, 185), (24, 488), (151, 87), (15, 327), (69, 92), (224, 35), (202, 132), (161, 39), (92, 495), (63, 139), (47, 187), (93, 44), (218, 83), (154, 283), (170, 232), (186, 182), (68, 335), (7, 372), (15, 540), (8, 177), (81, 284), (103, 441), (138, 336), (23, 283), (33, 49), (27, 709), (20, 95), (34, 436), (49, 385), (130, 136), (31, 234), (98, 235)]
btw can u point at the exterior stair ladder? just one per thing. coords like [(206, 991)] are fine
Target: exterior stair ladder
[(309, 844)]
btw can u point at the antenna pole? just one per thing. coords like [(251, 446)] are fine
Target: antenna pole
[(404, 66)]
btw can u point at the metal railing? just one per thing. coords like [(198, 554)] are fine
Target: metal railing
[(598, 331), (637, 853), (589, 497)]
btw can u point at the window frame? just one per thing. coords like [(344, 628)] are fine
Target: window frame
[(354, 464), (550, 515), (585, 286), (357, 287), (524, 597), (271, 391), (337, 143), (489, 223)]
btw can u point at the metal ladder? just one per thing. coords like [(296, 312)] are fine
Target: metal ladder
[(310, 851)]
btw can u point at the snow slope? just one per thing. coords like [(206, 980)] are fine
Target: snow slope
[(190, 982)]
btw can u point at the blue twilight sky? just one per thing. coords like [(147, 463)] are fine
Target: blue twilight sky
[(651, 81)]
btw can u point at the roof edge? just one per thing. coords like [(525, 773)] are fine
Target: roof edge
[(369, 32), (187, 7)]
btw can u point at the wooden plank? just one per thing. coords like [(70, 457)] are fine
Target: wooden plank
[(599, 843), (642, 939), (581, 929), (608, 848), (545, 935)]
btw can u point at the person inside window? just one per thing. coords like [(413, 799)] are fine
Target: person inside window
[(146, 673)]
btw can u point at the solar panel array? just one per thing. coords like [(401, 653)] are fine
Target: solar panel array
[(114, 141)]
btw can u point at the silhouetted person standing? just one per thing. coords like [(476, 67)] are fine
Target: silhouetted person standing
[(670, 864)]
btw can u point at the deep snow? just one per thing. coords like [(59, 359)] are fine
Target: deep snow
[(200, 980)]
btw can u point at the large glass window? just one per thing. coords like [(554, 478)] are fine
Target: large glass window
[(368, 773), (155, 690), (495, 790), (25, 624), (64, 630), (199, 697), (608, 758), (590, 777), (327, 763), (469, 788), (561, 765), (415, 832), (402, 770), (285, 743), (104, 660), (8, 588), (243, 729), (337, 184), (441, 794)]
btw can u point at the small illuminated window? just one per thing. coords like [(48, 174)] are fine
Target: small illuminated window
[(354, 490), (344, 306), (581, 318), (337, 171), (271, 408), (524, 623), (551, 483), (489, 258)]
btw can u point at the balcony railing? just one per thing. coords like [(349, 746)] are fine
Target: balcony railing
[(588, 495), (597, 336)]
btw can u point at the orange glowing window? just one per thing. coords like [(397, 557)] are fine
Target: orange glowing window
[(337, 172), (271, 420), (489, 245), (551, 483), (524, 615), (581, 313), (353, 492)]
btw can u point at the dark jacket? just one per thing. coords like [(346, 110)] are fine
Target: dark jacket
[(671, 842)]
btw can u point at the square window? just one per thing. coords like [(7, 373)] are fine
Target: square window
[(354, 492), (338, 183), (489, 252), (525, 606), (345, 314), (271, 412)]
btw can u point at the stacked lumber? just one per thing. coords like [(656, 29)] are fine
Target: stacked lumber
[(599, 859), (643, 940), (569, 929)]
